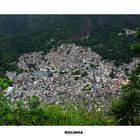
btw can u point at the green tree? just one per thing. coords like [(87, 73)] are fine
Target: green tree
[(4, 82), (135, 48), (138, 32), (126, 109)]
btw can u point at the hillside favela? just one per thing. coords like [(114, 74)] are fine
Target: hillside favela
[(70, 70)]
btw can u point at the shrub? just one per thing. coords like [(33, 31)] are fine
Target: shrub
[(138, 32), (34, 113), (126, 109), (135, 48), (4, 83)]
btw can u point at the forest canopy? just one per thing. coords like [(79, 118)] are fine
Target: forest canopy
[(105, 34)]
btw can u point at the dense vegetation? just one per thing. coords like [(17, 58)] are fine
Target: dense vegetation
[(136, 46), (127, 108), (26, 33), (35, 113), (4, 83)]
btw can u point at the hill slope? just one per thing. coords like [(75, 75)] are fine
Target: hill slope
[(105, 34)]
